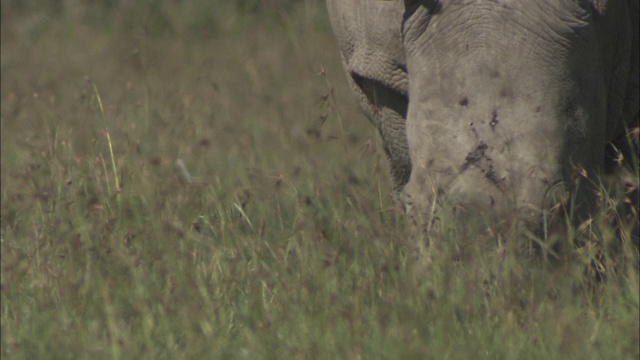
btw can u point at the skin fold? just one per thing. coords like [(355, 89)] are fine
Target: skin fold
[(370, 41), (506, 101)]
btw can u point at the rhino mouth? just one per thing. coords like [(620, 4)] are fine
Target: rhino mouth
[(386, 106)]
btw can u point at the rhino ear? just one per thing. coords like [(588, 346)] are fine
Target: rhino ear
[(416, 17)]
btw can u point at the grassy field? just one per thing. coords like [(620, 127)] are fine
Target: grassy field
[(193, 180)]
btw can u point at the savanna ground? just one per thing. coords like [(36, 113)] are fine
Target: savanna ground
[(193, 180)]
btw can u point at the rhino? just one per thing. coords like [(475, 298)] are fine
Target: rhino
[(489, 108)]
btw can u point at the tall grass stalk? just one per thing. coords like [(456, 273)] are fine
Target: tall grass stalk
[(106, 130)]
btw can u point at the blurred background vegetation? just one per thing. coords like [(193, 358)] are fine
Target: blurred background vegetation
[(246, 210)]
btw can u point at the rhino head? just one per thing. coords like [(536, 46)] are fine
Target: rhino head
[(490, 109)]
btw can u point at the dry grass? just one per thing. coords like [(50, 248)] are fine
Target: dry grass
[(245, 209)]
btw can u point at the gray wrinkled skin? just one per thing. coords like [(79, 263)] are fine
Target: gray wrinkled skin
[(370, 41), (488, 107)]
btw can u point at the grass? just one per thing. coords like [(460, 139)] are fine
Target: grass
[(194, 180)]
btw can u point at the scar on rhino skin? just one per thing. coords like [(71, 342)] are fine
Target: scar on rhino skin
[(494, 120), (475, 132), (475, 156), (464, 101), (479, 159)]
